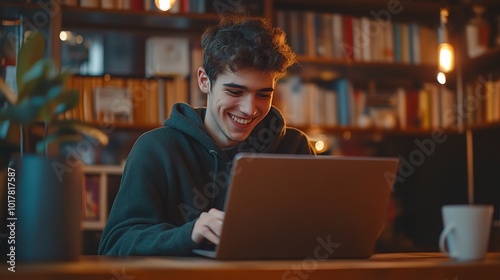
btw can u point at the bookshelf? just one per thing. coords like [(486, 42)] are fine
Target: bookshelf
[(134, 21), (383, 49), (481, 74), (316, 68), (140, 23)]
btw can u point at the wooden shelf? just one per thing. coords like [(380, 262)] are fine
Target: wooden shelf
[(125, 126), (337, 129), (404, 11), (484, 64), (483, 126), (91, 18), (14, 10), (396, 131), (374, 130), (321, 68), (100, 168)]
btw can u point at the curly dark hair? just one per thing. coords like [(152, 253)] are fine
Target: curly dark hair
[(240, 41)]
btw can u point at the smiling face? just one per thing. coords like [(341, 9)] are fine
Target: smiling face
[(236, 103)]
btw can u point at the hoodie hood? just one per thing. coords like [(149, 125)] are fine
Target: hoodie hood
[(265, 136)]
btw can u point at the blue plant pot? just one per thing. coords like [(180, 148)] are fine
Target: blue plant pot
[(49, 209)]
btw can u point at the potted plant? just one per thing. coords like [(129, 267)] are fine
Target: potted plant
[(45, 197)]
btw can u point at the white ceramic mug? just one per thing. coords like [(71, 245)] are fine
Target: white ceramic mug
[(466, 231)]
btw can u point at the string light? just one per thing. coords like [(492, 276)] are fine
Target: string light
[(446, 57), (441, 77), (164, 5), (446, 53)]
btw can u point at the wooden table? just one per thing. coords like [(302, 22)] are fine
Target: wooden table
[(401, 266)]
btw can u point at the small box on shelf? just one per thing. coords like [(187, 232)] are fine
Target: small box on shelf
[(96, 194)]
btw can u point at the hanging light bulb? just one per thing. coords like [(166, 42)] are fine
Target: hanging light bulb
[(441, 78), (446, 53), (164, 5), (446, 57)]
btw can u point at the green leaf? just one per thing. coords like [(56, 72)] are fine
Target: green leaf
[(25, 112), (40, 146), (71, 130), (39, 79), (32, 50), (6, 91), (89, 131), (66, 101)]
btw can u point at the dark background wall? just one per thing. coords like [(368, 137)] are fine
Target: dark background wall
[(440, 178)]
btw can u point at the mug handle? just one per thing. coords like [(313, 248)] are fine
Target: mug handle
[(442, 240)]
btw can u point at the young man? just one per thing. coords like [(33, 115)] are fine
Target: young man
[(175, 180)]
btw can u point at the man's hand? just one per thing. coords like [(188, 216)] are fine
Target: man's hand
[(208, 226)]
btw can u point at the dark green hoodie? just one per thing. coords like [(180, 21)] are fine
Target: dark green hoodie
[(174, 173)]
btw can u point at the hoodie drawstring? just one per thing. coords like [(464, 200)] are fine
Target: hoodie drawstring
[(214, 180)]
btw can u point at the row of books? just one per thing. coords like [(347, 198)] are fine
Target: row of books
[(137, 101), (342, 104), (128, 101), (481, 102), (183, 6), (363, 39)]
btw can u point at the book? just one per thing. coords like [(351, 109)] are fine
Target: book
[(196, 97), (331, 113), (316, 100), (292, 101), (414, 43), (135, 86), (90, 3), (377, 41), (137, 5), (69, 2), (356, 39), (424, 108), (343, 89), (337, 34), (428, 45), (365, 39), (433, 90), (397, 43), (326, 34), (309, 28), (411, 109), (401, 107), (405, 43), (108, 4), (388, 49), (151, 89), (348, 37)]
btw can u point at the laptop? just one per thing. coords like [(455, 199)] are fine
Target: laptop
[(304, 206)]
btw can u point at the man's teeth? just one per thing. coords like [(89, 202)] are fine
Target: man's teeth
[(240, 121)]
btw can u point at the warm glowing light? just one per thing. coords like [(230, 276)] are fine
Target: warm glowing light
[(319, 146), (164, 5), (441, 77), (79, 39), (63, 35), (346, 135), (446, 57)]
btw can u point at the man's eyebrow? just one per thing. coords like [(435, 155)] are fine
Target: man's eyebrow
[(233, 85)]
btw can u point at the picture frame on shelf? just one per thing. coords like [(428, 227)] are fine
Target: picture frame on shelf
[(95, 206), (113, 105), (167, 56)]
